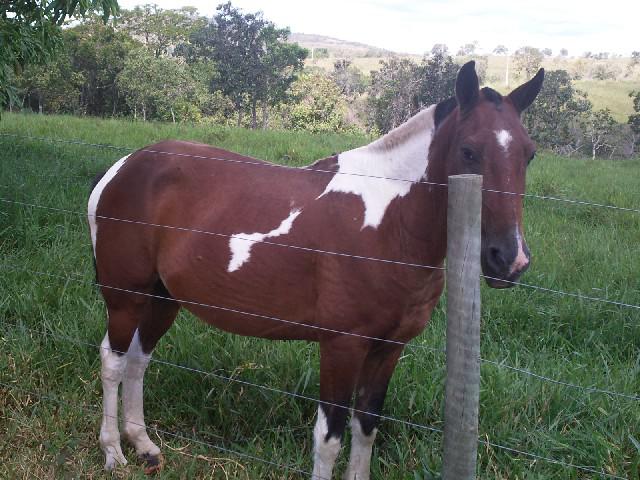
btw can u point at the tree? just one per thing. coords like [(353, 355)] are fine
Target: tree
[(634, 119), (467, 49), (401, 88), (598, 126), (502, 50), (161, 29), (158, 87), (393, 93), (527, 60), (547, 52), (553, 120), (635, 58), (253, 61), (348, 78), (30, 33), (564, 52), (317, 105), (439, 49)]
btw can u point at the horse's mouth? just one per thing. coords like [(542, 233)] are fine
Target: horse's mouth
[(500, 280)]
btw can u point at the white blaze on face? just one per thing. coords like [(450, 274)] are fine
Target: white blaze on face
[(241, 243), (504, 139), (401, 154), (94, 198), (521, 260)]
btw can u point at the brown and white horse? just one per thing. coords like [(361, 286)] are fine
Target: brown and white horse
[(355, 206)]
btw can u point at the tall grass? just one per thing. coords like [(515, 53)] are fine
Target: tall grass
[(590, 250)]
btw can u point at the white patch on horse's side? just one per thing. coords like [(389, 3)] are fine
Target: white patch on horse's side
[(324, 451), (132, 399), (94, 198), (402, 154), (504, 139), (241, 243), (113, 366), (521, 259), (360, 457)]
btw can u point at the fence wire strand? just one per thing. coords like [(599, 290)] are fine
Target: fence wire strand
[(180, 436), (81, 279), (256, 162), (327, 252), (304, 472)]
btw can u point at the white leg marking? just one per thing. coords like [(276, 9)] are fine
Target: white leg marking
[(504, 139), (402, 154), (521, 260), (113, 366), (360, 457), (132, 399), (324, 451), (94, 198), (241, 243)]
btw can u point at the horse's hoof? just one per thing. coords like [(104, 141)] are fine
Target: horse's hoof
[(152, 463), (113, 458)]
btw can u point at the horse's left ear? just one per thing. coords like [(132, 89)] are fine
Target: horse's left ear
[(525, 94), (467, 86)]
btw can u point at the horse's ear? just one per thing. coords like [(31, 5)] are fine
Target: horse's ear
[(525, 94), (467, 86)]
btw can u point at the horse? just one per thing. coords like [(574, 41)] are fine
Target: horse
[(290, 254)]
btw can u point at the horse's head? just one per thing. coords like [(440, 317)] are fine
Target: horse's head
[(486, 137)]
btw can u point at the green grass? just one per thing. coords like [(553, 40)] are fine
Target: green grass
[(575, 248)]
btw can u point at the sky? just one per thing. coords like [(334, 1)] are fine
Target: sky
[(415, 26)]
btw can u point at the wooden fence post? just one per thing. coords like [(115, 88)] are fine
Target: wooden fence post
[(462, 386)]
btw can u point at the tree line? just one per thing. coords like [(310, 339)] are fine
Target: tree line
[(238, 68)]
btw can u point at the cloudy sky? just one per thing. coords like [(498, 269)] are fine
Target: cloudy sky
[(414, 26)]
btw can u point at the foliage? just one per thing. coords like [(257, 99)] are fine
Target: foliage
[(393, 92), (161, 29), (318, 105), (348, 78), (553, 119), (401, 88), (158, 87), (634, 119), (253, 61), (30, 33), (527, 61), (598, 127), (467, 49)]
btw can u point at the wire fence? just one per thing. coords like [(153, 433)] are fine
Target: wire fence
[(82, 278), (310, 169)]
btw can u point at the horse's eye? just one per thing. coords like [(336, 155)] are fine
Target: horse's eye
[(533, 155), (468, 155)]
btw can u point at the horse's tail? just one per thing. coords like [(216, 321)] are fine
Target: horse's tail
[(95, 182)]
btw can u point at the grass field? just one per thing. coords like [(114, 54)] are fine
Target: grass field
[(50, 397)]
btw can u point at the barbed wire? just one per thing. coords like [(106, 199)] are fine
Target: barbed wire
[(81, 279), (308, 169)]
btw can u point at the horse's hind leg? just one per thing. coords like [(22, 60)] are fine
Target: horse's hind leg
[(122, 321), (150, 329)]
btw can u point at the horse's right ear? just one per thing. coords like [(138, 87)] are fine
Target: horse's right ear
[(467, 87), (525, 94)]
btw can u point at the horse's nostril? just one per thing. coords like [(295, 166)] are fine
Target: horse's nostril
[(496, 255)]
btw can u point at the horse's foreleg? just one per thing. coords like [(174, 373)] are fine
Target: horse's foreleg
[(113, 366), (372, 388), (340, 363)]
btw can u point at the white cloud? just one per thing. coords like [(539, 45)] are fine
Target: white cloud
[(414, 26)]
